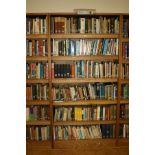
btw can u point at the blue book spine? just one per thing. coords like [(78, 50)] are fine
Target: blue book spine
[(82, 70), (41, 71), (105, 46)]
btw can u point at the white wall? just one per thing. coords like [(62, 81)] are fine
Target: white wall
[(101, 6)]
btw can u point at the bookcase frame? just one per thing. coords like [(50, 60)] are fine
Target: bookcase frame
[(71, 144)]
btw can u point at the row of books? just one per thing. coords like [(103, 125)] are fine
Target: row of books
[(125, 91), (76, 47), (85, 92), (125, 50), (37, 92), (86, 69), (124, 111), (41, 133), (37, 70), (85, 113), (124, 131), (84, 132), (36, 25), (38, 133), (76, 92), (36, 47), (37, 113), (125, 71), (126, 27), (101, 24)]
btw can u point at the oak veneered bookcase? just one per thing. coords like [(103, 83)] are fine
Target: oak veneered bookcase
[(77, 86)]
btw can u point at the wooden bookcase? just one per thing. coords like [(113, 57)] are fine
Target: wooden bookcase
[(42, 40)]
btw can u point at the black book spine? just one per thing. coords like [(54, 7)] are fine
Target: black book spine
[(73, 113), (59, 48), (62, 48), (97, 91), (101, 112), (34, 92), (111, 130), (61, 71), (88, 95), (40, 138), (64, 71), (58, 70), (67, 70), (55, 70)]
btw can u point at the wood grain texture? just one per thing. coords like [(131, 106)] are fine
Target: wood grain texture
[(85, 102), (82, 80), (103, 151), (84, 122), (84, 57), (86, 35)]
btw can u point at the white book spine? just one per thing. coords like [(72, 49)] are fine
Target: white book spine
[(30, 48), (82, 29), (103, 113), (117, 42), (98, 112), (41, 24), (124, 131), (97, 25), (38, 71), (44, 44)]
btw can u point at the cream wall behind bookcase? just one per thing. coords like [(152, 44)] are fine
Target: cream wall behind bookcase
[(104, 6)]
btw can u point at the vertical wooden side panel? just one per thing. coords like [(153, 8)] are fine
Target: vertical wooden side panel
[(119, 78)]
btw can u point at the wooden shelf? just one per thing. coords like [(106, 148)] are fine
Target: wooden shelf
[(36, 36), (124, 101), (82, 80), (36, 58), (83, 36), (125, 61), (45, 122), (84, 102), (125, 39), (37, 102), (124, 121), (84, 122), (92, 57), (97, 143), (123, 142), (34, 143), (29, 81)]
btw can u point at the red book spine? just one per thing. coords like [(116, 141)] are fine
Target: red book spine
[(46, 71), (27, 95), (40, 48), (30, 93), (108, 111), (33, 47), (73, 70), (52, 70)]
